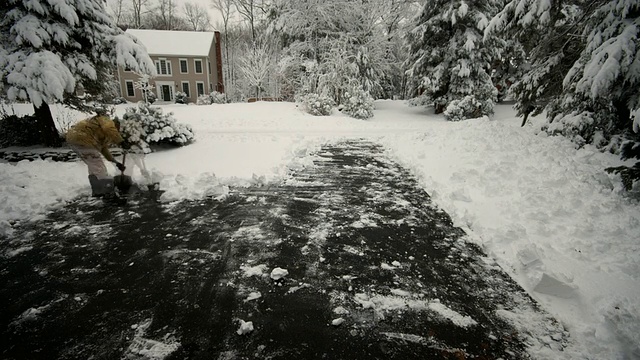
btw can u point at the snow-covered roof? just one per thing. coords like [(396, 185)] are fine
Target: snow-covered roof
[(174, 43)]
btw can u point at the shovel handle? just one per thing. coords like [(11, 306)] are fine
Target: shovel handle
[(124, 160)]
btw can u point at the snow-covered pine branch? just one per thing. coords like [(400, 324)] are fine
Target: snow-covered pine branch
[(449, 57), (49, 48)]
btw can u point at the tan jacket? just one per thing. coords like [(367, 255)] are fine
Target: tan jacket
[(98, 132)]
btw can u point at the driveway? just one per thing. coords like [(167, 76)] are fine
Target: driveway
[(347, 259)]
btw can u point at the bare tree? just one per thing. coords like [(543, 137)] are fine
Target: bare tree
[(117, 11), (226, 9), (251, 10), (196, 17), (138, 7), (164, 16), (256, 65)]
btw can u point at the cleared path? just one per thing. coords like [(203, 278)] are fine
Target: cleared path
[(374, 270)]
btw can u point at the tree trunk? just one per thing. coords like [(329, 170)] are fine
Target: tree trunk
[(623, 115), (46, 126)]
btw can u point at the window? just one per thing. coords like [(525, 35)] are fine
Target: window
[(130, 91), (163, 67), (185, 88), (200, 88), (209, 66), (198, 64), (183, 66)]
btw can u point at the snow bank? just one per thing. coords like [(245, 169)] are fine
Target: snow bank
[(550, 216), (29, 189)]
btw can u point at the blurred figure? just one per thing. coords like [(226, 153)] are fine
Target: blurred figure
[(91, 139)]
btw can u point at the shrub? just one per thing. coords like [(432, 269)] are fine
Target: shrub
[(19, 131), (468, 108), (217, 98), (315, 104), (358, 104), (118, 101), (421, 100), (144, 125), (628, 174), (151, 97), (181, 97), (213, 98), (204, 100)]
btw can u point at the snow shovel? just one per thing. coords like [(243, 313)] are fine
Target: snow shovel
[(123, 182)]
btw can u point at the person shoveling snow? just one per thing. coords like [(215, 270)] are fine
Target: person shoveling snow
[(90, 139)]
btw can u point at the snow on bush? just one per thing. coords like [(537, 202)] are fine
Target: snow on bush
[(217, 98), (358, 104), (213, 98), (421, 100), (181, 97), (204, 100), (468, 108), (144, 125), (316, 104)]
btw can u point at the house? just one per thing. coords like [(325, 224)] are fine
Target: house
[(186, 61)]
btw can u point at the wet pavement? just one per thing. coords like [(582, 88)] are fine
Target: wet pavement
[(374, 270)]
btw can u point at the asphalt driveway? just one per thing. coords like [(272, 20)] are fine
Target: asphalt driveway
[(348, 259)]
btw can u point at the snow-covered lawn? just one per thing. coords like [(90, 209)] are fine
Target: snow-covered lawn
[(547, 212)]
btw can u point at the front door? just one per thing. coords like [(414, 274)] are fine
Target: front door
[(166, 92)]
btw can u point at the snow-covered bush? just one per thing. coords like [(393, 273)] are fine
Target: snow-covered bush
[(316, 104), (358, 104), (421, 100), (628, 174), (217, 98), (181, 97), (204, 100), (468, 108), (144, 125), (119, 100), (213, 98), (151, 97)]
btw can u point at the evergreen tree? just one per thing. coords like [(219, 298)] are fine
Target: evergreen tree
[(449, 61), (49, 48), (548, 31), (603, 85), (584, 67)]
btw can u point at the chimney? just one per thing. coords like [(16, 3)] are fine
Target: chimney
[(220, 84)]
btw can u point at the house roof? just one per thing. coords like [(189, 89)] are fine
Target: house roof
[(174, 43)]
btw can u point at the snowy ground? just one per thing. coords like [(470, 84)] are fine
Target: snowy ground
[(545, 211)]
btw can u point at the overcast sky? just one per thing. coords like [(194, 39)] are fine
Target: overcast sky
[(213, 13)]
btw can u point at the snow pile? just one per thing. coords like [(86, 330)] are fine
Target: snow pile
[(148, 348), (548, 213), (249, 271), (29, 189), (381, 304), (181, 187), (254, 295), (245, 327), (278, 273)]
